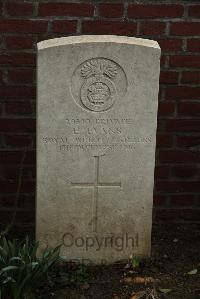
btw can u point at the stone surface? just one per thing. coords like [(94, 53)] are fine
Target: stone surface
[(96, 129)]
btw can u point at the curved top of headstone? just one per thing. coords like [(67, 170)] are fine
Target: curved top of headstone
[(97, 39)]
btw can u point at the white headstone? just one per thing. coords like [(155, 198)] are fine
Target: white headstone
[(96, 132)]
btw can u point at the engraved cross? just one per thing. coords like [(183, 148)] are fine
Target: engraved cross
[(95, 185)]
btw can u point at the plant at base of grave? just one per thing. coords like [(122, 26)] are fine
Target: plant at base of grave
[(135, 262), (21, 272), (80, 275), (68, 273), (76, 275)]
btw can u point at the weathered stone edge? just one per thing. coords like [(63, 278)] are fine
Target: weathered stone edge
[(97, 39)]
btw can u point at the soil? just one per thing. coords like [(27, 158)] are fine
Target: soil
[(175, 253)]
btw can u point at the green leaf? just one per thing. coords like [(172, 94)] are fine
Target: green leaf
[(9, 268), (34, 264), (193, 272), (8, 279), (21, 271), (15, 258), (135, 262), (165, 291)]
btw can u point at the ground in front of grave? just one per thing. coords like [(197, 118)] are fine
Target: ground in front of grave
[(170, 273)]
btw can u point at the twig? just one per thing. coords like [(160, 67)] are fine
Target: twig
[(10, 225)]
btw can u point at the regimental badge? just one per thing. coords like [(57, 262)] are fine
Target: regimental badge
[(102, 81), (98, 92)]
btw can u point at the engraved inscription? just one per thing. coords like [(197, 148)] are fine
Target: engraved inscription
[(102, 121), (98, 134), (95, 185), (97, 83)]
